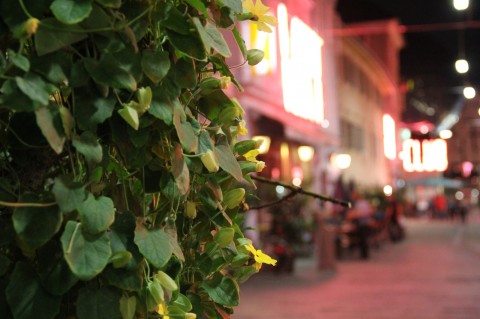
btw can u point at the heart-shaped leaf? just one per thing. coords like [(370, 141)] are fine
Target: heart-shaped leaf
[(68, 194), (155, 64), (154, 245), (86, 257), (96, 214), (36, 225), (71, 11), (26, 296), (98, 303), (88, 146)]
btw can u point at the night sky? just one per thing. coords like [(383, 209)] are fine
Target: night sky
[(428, 57)]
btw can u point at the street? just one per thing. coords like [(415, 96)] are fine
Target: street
[(433, 274)]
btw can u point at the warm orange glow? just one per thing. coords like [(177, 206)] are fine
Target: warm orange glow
[(425, 156), (389, 137), (301, 63)]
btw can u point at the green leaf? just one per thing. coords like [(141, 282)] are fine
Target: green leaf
[(154, 245), (130, 115), (20, 61), (98, 303), (212, 38), (5, 263), (197, 4), (223, 290), (88, 146), (36, 225), (108, 71), (228, 162), (110, 3), (96, 214), (71, 11), (190, 45), (183, 303), (185, 74), (176, 21), (53, 35), (235, 5), (26, 296), (205, 142), (130, 279), (155, 64), (185, 131), (54, 273), (86, 257), (45, 117), (180, 170), (34, 87), (128, 306), (162, 107), (15, 100), (94, 111), (68, 194)]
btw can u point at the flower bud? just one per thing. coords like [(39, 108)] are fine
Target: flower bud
[(191, 209), (190, 315), (210, 161), (144, 97), (259, 166), (155, 290), (241, 128), (166, 281), (225, 82), (224, 236), (121, 259), (31, 26), (233, 197), (245, 146), (254, 56), (130, 115), (228, 116)]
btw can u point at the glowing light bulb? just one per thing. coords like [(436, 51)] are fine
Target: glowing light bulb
[(461, 66), (469, 92), (460, 4)]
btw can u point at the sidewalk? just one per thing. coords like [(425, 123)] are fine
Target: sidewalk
[(433, 274)]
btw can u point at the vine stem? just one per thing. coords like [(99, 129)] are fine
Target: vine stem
[(25, 9), (299, 190), (17, 204)]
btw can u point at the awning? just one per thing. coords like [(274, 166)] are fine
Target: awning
[(436, 181)]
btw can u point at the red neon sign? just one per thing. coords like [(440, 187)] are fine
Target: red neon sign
[(425, 155)]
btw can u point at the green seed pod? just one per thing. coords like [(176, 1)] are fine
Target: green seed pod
[(155, 290), (254, 56), (210, 161), (224, 236), (166, 281), (244, 146), (121, 259), (144, 97), (233, 197), (190, 315), (229, 116), (130, 115), (191, 210)]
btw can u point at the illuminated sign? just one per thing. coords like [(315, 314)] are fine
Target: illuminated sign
[(389, 137), (301, 63), (268, 44), (425, 155)]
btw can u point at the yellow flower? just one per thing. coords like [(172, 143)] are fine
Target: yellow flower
[(241, 128), (259, 10), (260, 257), (260, 166), (31, 26), (251, 156), (162, 310)]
